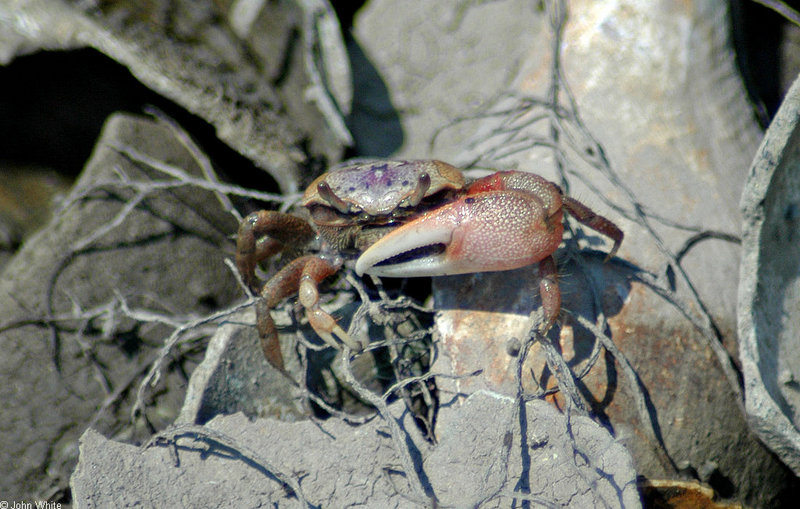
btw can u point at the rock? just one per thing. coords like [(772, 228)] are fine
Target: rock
[(72, 351), (658, 139), (265, 92), (769, 300), (235, 377), (478, 456), (480, 459)]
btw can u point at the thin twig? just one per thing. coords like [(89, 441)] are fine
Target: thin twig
[(783, 9), (154, 374), (199, 156), (397, 434), (640, 394), (558, 366), (182, 178)]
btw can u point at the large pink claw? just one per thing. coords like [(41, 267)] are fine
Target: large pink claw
[(488, 231)]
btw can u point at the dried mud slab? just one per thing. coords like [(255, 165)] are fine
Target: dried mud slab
[(88, 300), (272, 78), (483, 458), (769, 291)]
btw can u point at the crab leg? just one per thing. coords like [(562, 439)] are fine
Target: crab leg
[(325, 326), (263, 234), (281, 285), (549, 292), (302, 276), (596, 222)]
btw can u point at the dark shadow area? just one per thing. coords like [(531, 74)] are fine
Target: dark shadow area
[(523, 484), (346, 12), (373, 120), (55, 104), (758, 36), (517, 291)]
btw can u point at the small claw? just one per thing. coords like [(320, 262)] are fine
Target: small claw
[(327, 328), (617, 241), (491, 231)]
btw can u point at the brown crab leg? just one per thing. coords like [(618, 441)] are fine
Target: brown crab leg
[(302, 276), (549, 292), (596, 222), (314, 271), (281, 285), (263, 234)]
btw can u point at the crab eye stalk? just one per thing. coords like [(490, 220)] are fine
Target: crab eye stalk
[(423, 184), (327, 194)]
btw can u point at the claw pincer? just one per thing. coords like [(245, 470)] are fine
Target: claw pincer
[(504, 221), (490, 228)]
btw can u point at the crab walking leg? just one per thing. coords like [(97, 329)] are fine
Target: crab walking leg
[(281, 285), (266, 233), (314, 271), (298, 274), (549, 292), (596, 222)]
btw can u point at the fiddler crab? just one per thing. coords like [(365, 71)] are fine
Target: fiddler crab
[(407, 219)]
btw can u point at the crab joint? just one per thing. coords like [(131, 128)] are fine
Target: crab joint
[(307, 294)]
